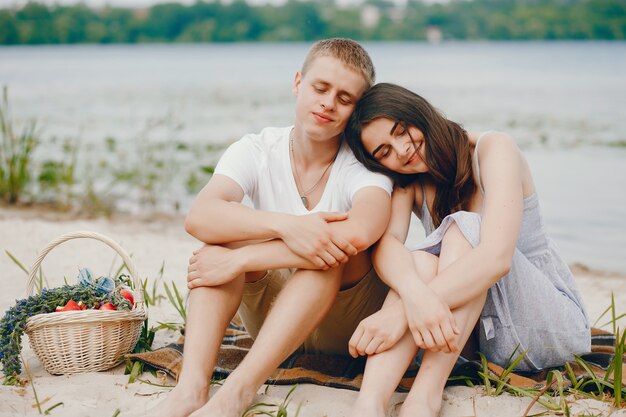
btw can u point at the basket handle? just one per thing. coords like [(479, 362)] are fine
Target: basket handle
[(138, 293)]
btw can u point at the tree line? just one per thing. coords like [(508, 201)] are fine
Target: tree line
[(36, 23)]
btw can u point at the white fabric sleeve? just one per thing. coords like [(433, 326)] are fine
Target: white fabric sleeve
[(358, 177), (240, 162)]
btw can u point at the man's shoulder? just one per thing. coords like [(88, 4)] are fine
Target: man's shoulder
[(267, 138), (357, 176), (349, 161)]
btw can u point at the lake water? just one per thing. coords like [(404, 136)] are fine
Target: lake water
[(564, 102)]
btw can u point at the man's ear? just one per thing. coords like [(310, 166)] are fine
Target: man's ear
[(296, 83)]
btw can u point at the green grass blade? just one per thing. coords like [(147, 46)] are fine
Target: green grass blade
[(617, 369), (16, 261), (601, 315), (47, 412), (613, 313), (485, 373)]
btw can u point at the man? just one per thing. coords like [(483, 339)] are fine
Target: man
[(296, 264)]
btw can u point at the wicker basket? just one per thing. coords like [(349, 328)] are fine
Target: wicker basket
[(89, 340)]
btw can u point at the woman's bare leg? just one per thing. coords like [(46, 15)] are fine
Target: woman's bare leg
[(384, 371), (424, 399)]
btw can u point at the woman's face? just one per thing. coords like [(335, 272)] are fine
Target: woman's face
[(395, 147)]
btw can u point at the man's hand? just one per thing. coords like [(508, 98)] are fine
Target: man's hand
[(379, 332), (211, 266), (311, 237), (430, 321)]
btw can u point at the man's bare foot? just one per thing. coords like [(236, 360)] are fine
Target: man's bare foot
[(421, 404), (230, 400), (367, 408), (180, 402)]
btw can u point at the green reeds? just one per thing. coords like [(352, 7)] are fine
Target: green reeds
[(39, 283), (273, 410), (614, 317), (177, 300), (16, 152), (501, 381), (151, 296)]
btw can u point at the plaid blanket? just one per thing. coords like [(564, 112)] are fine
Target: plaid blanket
[(347, 373)]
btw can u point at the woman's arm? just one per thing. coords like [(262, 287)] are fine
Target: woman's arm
[(429, 319), (501, 171)]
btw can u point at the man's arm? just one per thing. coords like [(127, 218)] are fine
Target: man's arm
[(217, 217), (366, 222)]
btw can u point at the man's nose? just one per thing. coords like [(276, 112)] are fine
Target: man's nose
[(328, 101)]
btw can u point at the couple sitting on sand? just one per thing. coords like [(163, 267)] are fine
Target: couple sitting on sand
[(319, 264)]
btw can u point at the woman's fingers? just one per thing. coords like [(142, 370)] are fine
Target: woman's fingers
[(354, 341), (450, 336), (417, 337), (429, 341), (373, 345), (363, 343)]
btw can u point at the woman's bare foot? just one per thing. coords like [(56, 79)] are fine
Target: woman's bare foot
[(180, 402), (421, 404), (367, 408)]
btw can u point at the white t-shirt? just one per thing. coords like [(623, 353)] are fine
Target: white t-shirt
[(261, 165)]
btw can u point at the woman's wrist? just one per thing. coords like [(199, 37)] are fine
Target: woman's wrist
[(411, 288)]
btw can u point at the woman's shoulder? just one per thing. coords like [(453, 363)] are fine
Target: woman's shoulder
[(489, 136), (423, 188), (493, 142)]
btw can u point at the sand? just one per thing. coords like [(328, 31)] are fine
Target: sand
[(162, 239)]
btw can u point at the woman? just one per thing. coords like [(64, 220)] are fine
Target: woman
[(485, 265)]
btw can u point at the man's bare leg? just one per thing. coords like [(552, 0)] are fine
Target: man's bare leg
[(297, 311), (208, 314)]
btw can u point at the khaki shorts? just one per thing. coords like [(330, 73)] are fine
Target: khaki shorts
[(333, 334)]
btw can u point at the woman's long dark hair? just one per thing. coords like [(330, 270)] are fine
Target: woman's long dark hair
[(448, 154)]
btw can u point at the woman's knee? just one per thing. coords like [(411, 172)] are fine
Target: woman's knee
[(425, 264), (454, 240)]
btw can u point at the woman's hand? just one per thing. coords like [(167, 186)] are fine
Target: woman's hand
[(430, 321), (211, 266), (379, 332), (311, 237)]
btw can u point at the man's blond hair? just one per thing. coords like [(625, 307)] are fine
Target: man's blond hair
[(347, 51)]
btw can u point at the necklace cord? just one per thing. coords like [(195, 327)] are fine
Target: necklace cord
[(304, 194)]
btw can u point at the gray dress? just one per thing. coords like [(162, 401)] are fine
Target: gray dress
[(536, 306)]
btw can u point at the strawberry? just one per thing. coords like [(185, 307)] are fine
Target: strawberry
[(71, 306), (107, 306), (128, 295), (82, 305)]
